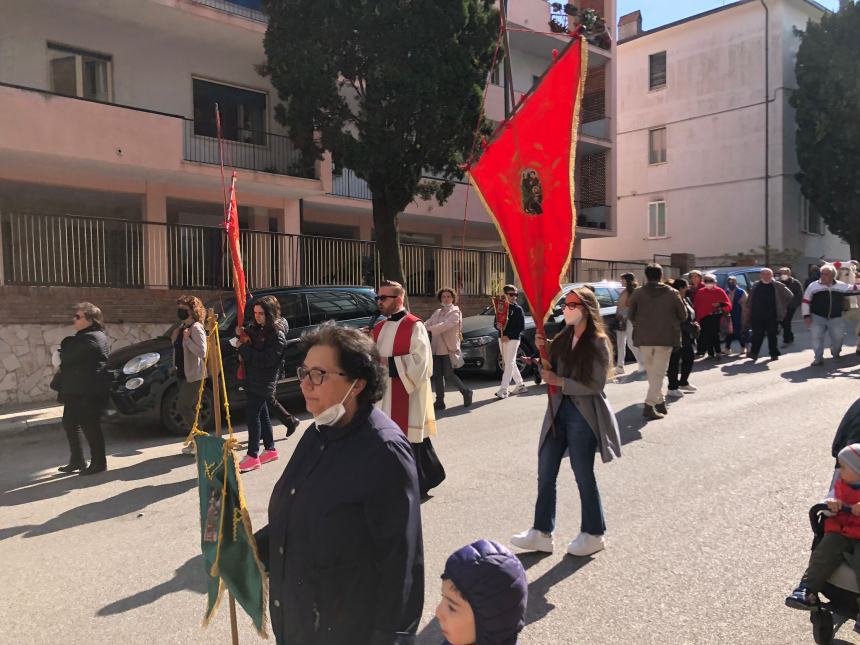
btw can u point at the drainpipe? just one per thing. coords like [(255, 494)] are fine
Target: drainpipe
[(766, 133)]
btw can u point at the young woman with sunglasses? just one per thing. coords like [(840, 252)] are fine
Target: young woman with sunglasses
[(579, 422)]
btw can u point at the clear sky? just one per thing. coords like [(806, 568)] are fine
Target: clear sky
[(660, 12)]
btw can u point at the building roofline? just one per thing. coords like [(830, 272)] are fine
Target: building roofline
[(710, 12)]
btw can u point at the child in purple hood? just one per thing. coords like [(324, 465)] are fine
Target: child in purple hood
[(484, 595)]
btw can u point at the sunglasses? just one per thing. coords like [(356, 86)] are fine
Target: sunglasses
[(573, 305), (383, 298), (512, 294)]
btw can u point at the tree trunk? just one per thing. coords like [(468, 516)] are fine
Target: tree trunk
[(854, 245), (387, 239)]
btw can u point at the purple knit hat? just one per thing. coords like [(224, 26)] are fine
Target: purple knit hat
[(494, 583)]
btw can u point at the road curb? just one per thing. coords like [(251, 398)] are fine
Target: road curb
[(22, 425)]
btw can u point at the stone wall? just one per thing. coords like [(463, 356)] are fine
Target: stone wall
[(26, 370)]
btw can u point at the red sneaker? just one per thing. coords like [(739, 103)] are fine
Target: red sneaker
[(249, 463), (268, 455)]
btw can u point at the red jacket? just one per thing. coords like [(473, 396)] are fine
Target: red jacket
[(703, 301), (843, 522)]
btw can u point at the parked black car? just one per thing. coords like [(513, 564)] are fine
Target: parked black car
[(481, 340), (746, 276), (144, 379)]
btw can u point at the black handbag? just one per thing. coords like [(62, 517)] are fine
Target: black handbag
[(431, 473)]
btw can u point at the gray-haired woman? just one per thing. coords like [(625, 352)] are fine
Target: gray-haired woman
[(82, 385)]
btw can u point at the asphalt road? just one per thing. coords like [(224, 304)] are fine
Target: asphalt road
[(706, 512)]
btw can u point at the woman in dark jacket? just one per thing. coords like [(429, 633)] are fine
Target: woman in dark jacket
[(83, 387), (262, 351), (343, 546)]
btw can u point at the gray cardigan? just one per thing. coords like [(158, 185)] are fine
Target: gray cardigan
[(592, 403)]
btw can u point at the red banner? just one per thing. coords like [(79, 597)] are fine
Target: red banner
[(525, 177), (232, 224)]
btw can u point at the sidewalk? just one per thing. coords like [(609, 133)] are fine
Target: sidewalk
[(14, 419)]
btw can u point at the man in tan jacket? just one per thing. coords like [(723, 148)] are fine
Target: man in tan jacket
[(657, 311)]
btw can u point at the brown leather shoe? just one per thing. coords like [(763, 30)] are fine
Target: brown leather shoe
[(650, 413)]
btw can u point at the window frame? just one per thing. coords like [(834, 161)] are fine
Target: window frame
[(661, 159), (652, 86), (79, 56), (657, 236), (807, 211), (266, 127)]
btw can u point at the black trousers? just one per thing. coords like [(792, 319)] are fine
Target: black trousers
[(443, 374), (680, 366), (787, 334), (709, 338), (760, 328), (84, 414)]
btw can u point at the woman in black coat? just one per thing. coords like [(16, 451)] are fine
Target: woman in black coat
[(83, 387), (262, 351), (343, 545)]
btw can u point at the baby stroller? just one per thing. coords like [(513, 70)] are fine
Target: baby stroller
[(841, 589)]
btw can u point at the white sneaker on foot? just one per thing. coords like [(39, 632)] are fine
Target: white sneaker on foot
[(501, 394), (533, 540), (619, 370), (674, 394), (688, 388), (520, 389), (586, 544), (640, 370), (189, 449)]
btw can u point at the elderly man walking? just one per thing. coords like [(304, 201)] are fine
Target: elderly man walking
[(796, 289), (767, 304), (822, 311), (657, 311)]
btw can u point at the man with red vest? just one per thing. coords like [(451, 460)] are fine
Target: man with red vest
[(405, 347)]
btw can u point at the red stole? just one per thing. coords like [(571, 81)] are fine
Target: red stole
[(399, 395)]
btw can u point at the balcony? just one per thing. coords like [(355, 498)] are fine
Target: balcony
[(590, 215), (345, 183), (251, 9), (257, 150)]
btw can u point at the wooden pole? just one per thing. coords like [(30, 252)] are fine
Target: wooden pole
[(212, 359)]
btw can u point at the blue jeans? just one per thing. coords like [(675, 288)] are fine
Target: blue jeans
[(822, 327), (257, 418), (574, 434)]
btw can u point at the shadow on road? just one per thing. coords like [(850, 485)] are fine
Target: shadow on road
[(830, 370), (630, 423), (748, 367), (58, 485), (124, 503), (539, 606), (189, 577)]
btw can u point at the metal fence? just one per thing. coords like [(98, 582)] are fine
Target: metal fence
[(65, 250), (247, 9), (253, 150), (345, 183), (590, 270)]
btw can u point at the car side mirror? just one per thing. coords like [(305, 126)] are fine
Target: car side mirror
[(557, 311)]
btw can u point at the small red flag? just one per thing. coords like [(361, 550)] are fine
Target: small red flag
[(232, 224), (525, 177)]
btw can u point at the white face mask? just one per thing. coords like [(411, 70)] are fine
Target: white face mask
[(331, 415), (783, 277), (709, 285), (447, 305), (572, 317)]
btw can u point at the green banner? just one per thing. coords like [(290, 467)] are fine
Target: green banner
[(229, 549)]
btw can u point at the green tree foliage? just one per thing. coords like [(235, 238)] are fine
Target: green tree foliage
[(827, 101), (392, 88)]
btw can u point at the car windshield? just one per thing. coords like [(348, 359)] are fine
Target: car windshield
[(225, 310)]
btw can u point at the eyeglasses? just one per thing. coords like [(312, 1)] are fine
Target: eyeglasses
[(573, 305), (316, 375), (512, 294), (381, 298)]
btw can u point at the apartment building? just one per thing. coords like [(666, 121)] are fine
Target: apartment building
[(706, 136), (111, 190)]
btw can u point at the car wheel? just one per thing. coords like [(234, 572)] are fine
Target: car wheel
[(174, 421)]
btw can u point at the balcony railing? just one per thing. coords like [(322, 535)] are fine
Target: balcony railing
[(64, 250), (592, 215), (345, 183), (254, 150), (251, 9)]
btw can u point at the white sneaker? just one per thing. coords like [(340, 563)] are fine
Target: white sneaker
[(520, 389), (640, 370), (688, 388), (619, 370), (533, 540), (189, 449), (674, 394), (586, 544), (502, 394)]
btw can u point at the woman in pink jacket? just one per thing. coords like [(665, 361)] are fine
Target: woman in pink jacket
[(444, 328)]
